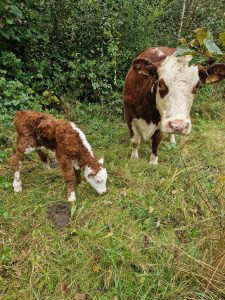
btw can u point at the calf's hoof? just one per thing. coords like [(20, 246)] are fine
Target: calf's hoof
[(53, 164), (17, 185), (72, 197), (18, 189)]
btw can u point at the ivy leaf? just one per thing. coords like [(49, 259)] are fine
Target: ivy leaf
[(9, 21), (197, 60), (15, 10), (201, 34), (184, 50), (211, 46)]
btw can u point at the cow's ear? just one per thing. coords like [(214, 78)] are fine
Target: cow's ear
[(211, 74), (144, 66)]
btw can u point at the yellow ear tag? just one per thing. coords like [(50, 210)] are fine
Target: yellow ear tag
[(142, 72), (211, 78)]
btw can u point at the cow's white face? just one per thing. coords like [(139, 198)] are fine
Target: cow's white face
[(175, 92), (176, 85), (98, 180)]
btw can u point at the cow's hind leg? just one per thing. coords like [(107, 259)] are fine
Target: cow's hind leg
[(156, 139), (135, 140)]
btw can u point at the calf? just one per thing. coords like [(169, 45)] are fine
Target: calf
[(158, 94), (72, 150)]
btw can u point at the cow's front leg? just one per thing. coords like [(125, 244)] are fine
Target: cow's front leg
[(172, 138), (156, 139), (135, 141), (66, 167)]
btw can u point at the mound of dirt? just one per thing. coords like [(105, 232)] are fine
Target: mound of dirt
[(59, 214)]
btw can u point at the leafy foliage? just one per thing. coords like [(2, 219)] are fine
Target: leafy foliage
[(202, 47), (81, 50)]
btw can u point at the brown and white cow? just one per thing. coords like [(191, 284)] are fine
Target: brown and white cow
[(158, 94)]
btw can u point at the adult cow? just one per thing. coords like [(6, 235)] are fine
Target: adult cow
[(158, 94)]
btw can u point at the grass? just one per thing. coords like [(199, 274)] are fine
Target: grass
[(157, 234)]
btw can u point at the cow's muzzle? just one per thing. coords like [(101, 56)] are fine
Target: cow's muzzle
[(179, 126)]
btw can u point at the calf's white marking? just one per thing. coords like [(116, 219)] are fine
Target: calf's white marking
[(72, 197), (82, 137), (17, 183)]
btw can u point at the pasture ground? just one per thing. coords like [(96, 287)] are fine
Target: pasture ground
[(157, 234)]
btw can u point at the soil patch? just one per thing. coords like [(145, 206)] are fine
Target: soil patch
[(59, 214)]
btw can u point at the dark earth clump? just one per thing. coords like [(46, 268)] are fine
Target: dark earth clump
[(59, 214)]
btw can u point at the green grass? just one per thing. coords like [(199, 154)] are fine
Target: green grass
[(156, 234)]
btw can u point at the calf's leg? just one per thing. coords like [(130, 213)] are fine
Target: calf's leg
[(44, 158), (156, 139), (16, 163), (24, 144), (77, 176), (66, 167)]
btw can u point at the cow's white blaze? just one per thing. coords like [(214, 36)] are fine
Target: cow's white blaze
[(98, 181), (175, 106)]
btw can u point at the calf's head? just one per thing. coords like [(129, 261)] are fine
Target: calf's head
[(97, 179), (174, 84)]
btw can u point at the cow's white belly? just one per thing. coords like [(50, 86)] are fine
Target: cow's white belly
[(145, 130)]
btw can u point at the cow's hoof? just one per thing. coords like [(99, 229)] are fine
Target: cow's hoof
[(153, 160)]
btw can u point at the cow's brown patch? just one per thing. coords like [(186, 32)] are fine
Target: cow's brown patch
[(163, 88)]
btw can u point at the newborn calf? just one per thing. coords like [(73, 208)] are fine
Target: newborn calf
[(72, 150)]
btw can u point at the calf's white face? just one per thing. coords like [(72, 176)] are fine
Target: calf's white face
[(175, 92), (97, 181)]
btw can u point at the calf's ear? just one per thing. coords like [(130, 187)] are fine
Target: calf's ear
[(144, 66), (212, 73)]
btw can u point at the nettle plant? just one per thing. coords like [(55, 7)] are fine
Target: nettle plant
[(202, 48)]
